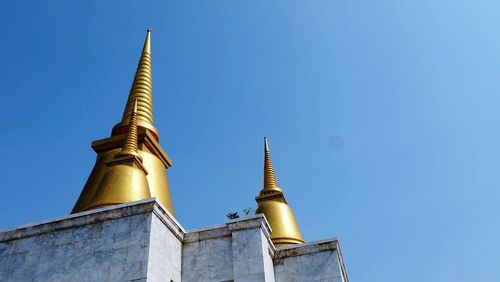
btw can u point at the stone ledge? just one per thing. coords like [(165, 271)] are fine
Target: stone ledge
[(342, 264), (255, 221), (306, 248), (207, 234), (239, 224), (91, 217)]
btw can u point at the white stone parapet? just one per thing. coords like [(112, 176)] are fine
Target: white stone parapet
[(141, 241)]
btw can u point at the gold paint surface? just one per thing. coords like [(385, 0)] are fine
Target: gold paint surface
[(272, 203), (89, 190), (125, 177), (122, 183), (157, 179), (156, 168), (285, 230)]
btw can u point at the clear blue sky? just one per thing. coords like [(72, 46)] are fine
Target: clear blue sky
[(383, 117)]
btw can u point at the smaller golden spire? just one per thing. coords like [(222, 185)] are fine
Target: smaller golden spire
[(130, 145), (272, 203)]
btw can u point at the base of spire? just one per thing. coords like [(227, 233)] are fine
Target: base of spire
[(122, 128), (154, 160), (284, 228)]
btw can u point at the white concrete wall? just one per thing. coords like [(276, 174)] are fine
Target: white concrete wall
[(209, 258), (249, 255), (310, 262), (268, 253), (238, 251), (132, 242), (102, 251), (165, 250)]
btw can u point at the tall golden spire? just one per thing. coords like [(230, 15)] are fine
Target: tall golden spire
[(142, 92), (132, 152), (272, 203)]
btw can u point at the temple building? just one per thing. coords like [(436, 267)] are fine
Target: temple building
[(123, 225)]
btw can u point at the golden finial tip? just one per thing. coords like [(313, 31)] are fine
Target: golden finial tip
[(147, 43), (266, 146)]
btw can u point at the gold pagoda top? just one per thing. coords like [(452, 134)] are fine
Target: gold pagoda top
[(272, 203), (130, 165)]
